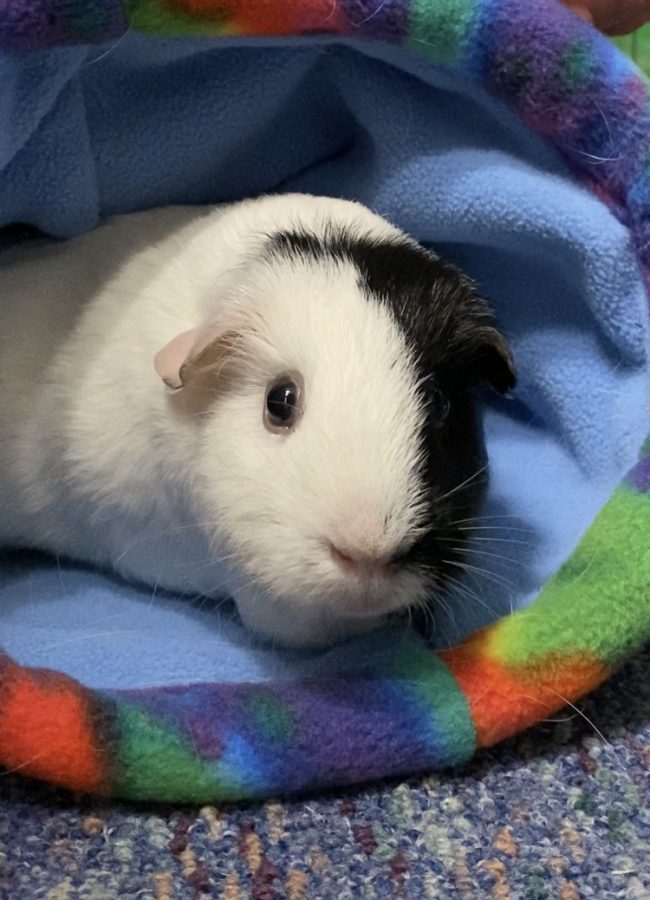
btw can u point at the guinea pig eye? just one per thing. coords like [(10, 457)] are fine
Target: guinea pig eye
[(283, 404), (439, 406)]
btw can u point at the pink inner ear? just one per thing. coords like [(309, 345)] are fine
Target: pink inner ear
[(173, 356)]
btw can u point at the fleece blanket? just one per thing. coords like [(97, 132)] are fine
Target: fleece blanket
[(512, 138)]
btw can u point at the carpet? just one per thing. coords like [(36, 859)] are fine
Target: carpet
[(562, 811)]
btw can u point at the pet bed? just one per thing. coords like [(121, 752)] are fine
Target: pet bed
[(514, 139)]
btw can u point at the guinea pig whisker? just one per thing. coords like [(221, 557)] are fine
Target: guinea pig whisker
[(437, 582), (426, 608), (464, 600), (472, 570), (208, 593), (448, 609), (483, 518), (463, 484), (220, 558), (499, 580), (480, 552), (490, 540), (469, 543), (464, 593), (508, 529), (199, 601), (25, 763), (82, 638), (589, 722), (463, 589), (486, 573), (157, 535)]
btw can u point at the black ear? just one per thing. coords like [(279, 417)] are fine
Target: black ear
[(493, 362), (479, 353), (475, 350)]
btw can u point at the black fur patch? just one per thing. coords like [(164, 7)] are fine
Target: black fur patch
[(435, 304), (456, 346)]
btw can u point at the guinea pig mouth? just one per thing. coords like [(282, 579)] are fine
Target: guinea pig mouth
[(370, 598)]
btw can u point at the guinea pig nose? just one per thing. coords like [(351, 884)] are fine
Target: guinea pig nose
[(357, 560)]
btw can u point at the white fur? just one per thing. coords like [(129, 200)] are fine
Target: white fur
[(98, 461)]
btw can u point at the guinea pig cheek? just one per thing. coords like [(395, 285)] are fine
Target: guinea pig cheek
[(252, 492)]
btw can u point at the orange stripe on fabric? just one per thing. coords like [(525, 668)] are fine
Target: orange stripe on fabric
[(504, 700), (268, 17), (44, 729)]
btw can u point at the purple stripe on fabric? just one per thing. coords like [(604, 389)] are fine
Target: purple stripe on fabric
[(326, 732), (385, 21), (39, 24), (639, 477)]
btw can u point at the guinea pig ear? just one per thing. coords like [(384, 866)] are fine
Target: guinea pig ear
[(493, 362), (170, 360), (193, 353)]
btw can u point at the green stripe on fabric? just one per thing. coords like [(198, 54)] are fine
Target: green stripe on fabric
[(437, 28), (154, 763), (151, 17), (599, 601), (433, 685), (637, 45)]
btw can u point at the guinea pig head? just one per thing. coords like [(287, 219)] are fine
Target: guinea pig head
[(341, 458)]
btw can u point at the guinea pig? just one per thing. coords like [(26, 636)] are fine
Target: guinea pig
[(274, 401)]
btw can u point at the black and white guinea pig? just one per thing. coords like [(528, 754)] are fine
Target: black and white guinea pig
[(307, 441)]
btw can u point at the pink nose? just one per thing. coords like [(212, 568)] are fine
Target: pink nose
[(357, 560)]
